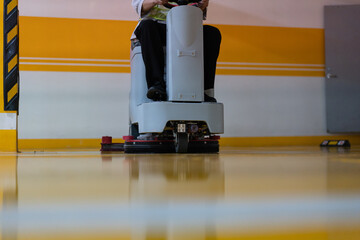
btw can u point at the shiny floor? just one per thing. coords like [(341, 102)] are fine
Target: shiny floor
[(252, 193)]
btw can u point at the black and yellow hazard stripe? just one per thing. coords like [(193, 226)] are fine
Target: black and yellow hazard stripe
[(11, 55)]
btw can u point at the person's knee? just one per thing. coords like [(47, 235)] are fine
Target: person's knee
[(145, 27), (212, 33), (148, 23)]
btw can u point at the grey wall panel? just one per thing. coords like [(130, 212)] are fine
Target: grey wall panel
[(342, 85)]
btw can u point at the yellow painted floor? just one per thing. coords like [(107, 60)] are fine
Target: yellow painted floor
[(249, 193)]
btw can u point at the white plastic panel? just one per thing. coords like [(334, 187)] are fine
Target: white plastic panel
[(185, 59), (154, 116)]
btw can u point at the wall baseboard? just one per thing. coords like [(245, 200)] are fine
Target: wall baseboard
[(285, 141), (92, 144)]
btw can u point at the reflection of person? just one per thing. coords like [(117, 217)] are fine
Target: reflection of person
[(151, 32)]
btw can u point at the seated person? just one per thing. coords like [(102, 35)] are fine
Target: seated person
[(151, 32)]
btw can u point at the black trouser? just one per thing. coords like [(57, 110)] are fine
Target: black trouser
[(152, 37)]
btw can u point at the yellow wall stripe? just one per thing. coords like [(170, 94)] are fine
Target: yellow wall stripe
[(59, 68), (75, 61), (270, 72), (53, 144), (282, 66), (13, 62), (13, 33), (348, 233), (60, 38), (13, 91), (72, 67), (11, 5), (284, 141), (8, 140), (122, 65)]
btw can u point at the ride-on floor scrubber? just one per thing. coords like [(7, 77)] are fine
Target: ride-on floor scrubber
[(184, 123)]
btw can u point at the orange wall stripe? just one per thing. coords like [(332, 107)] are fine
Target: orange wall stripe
[(253, 44), (75, 38), (110, 39)]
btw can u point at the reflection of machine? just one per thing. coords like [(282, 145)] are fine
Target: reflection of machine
[(183, 123), (8, 197), (195, 177), (165, 189)]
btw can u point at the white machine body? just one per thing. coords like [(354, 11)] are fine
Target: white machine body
[(185, 58), (184, 79)]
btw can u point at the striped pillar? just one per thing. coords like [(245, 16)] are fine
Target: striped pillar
[(9, 70)]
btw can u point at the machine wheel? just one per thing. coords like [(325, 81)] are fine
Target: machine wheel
[(181, 143)]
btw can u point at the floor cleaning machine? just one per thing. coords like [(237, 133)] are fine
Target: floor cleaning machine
[(184, 123)]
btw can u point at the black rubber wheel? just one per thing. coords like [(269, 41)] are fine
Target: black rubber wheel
[(181, 143)]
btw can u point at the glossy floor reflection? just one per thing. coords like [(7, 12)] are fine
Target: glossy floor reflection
[(268, 193)]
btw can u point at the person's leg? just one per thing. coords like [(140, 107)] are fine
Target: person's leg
[(212, 41), (152, 36)]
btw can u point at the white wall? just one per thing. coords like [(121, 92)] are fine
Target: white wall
[(272, 106), (73, 105), (289, 13), (90, 105)]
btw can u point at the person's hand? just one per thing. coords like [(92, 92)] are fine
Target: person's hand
[(203, 4), (161, 2), (149, 4)]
